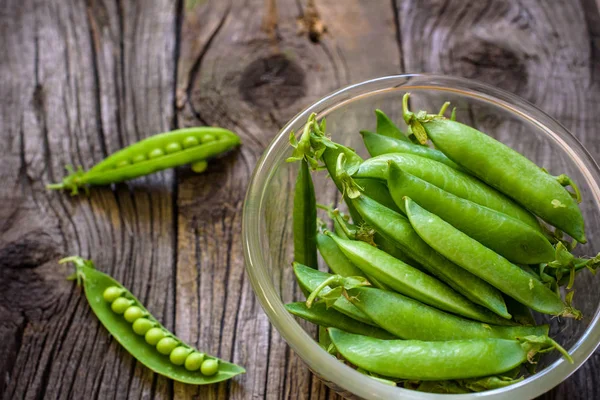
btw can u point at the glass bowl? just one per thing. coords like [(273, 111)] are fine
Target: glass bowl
[(267, 216)]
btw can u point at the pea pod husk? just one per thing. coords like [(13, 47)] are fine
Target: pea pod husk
[(423, 360), (405, 279), (377, 145), (510, 172), (387, 128), (94, 283), (485, 263), (508, 236), (398, 229), (320, 315), (449, 179), (108, 170), (409, 319), (305, 218)]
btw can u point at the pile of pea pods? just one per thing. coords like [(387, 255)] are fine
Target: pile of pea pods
[(435, 273)]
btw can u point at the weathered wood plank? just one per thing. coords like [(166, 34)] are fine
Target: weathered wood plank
[(85, 80), (234, 74)]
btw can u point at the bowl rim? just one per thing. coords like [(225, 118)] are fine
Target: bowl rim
[(318, 360)]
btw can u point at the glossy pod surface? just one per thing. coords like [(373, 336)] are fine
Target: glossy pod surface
[(409, 281), (305, 218), (96, 283), (506, 235), (399, 230), (423, 360), (449, 179), (483, 262), (320, 315), (409, 319), (510, 172), (377, 145)]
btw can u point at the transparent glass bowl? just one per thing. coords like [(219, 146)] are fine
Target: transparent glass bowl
[(267, 215)]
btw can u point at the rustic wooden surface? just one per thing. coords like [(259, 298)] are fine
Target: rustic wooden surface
[(81, 79)]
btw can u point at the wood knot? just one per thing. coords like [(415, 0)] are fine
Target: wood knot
[(272, 82)]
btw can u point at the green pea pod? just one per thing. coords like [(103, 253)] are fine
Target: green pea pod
[(378, 191), (506, 235), (506, 170), (387, 128), (377, 145), (96, 283), (305, 219), (409, 281), (334, 258), (407, 318), (521, 313), (449, 179), (398, 229), (389, 247), (456, 359), (329, 318), (309, 279), (156, 153), (485, 263)]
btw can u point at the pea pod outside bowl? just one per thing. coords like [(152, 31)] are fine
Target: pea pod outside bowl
[(510, 119)]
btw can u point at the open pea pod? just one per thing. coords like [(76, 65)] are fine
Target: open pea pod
[(156, 153), (96, 283)]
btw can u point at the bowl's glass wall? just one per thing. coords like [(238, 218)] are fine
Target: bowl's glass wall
[(268, 223)]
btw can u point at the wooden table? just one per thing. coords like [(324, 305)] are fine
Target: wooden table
[(82, 79)]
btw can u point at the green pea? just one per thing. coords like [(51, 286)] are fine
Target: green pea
[(133, 313), (194, 361), (209, 367), (154, 335), (173, 148), (207, 137), (155, 154), (179, 355), (112, 293), (190, 141), (120, 305), (166, 345), (199, 166), (142, 325), (122, 163), (139, 158)]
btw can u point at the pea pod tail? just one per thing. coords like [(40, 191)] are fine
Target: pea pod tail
[(534, 345), (80, 264), (415, 121), (70, 182)]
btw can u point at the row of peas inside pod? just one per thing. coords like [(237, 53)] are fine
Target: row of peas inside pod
[(435, 274)]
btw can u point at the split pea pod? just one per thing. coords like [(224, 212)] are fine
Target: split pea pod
[(505, 169), (485, 263), (409, 281), (407, 318), (506, 235), (329, 318), (309, 279), (142, 335), (377, 145), (156, 153), (398, 229), (422, 360), (449, 179)]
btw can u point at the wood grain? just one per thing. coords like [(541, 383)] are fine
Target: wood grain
[(82, 79)]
